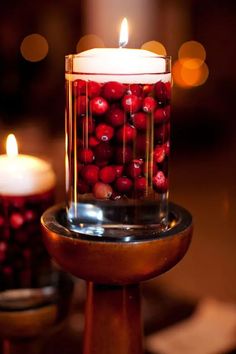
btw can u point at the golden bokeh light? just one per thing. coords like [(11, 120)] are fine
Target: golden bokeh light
[(89, 41), (187, 77), (155, 47), (192, 50), (34, 47)]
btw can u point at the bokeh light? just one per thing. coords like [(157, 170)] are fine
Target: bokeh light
[(155, 47), (34, 47), (89, 41), (186, 77), (192, 50)]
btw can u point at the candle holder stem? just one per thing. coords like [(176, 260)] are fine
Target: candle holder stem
[(113, 320)]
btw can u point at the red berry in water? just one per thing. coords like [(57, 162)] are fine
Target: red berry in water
[(16, 220), (94, 89), (102, 190), (82, 104), (104, 132), (86, 155), (141, 144), (161, 92), (123, 154), (150, 169), (140, 120), (131, 103), (160, 182), (126, 134), (113, 90), (1, 221), (134, 169), (135, 89), (140, 184), (123, 184), (103, 152), (167, 148), (168, 90), (149, 104), (3, 246), (93, 141), (29, 215), (162, 115), (162, 133), (79, 87), (90, 174), (119, 170), (107, 174), (116, 117), (98, 106), (148, 89), (82, 187), (159, 154)]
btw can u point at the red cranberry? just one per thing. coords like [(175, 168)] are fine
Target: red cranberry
[(104, 132), (16, 220), (86, 156), (131, 103), (167, 148), (116, 196), (93, 141), (82, 187), (87, 124), (159, 154), (150, 169), (116, 117), (99, 106), (79, 87), (141, 144), (162, 133), (140, 184), (90, 174), (82, 104), (134, 169), (140, 120), (18, 202), (162, 115), (126, 134), (103, 152), (149, 104), (3, 246), (168, 90), (1, 221), (119, 170), (123, 154), (147, 89), (94, 89), (107, 174), (161, 92), (102, 190), (160, 182), (113, 90), (123, 184), (30, 215), (135, 89)]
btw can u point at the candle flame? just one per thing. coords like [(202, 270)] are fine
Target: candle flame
[(124, 35), (11, 146)]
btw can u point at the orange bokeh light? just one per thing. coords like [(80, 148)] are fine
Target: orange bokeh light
[(192, 50), (89, 41), (155, 47), (34, 47), (187, 77)]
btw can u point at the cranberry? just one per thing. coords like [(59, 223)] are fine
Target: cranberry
[(107, 174), (150, 168), (116, 117), (99, 106), (104, 132), (140, 120), (147, 89), (3, 246), (87, 125), (135, 89), (1, 221), (160, 182), (93, 141), (82, 187), (16, 220), (119, 170), (113, 90), (82, 104), (123, 184), (168, 90), (103, 152), (18, 202), (90, 174), (116, 196), (162, 115), (126, 134), (102, 190), (167, 148), (134, 169), (141, 143), (159, 154), (123, 154), (162, 133), (149, 104), (140, 184), (79, 87), (86, 156), (29, 215), (94, 89), (132, 103), (161, 92)]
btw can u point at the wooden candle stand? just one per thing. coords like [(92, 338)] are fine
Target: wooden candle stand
[(113, 270)]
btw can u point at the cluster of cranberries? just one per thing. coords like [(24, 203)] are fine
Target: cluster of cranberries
[(23, 258), (122, 138)]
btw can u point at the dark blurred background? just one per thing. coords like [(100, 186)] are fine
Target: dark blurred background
[(203, 170)]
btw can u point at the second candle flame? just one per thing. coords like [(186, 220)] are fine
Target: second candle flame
[(124, 36), (11, 146)]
